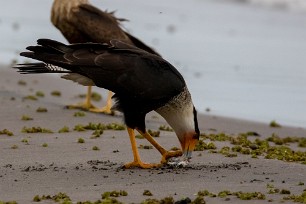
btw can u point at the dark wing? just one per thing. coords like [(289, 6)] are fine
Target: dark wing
[(101, 26), (123, 69)]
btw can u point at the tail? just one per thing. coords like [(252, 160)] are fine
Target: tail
[(48, 51), (38, 68)]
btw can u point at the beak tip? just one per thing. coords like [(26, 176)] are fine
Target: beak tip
[(187, 154)]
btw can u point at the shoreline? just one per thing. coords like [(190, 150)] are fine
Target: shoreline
[(81, 90)]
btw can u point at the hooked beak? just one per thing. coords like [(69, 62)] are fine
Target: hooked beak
[(188, 143)]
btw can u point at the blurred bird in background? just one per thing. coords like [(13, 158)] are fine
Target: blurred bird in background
[(80, 22)]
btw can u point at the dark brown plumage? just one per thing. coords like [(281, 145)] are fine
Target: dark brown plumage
[(141, 81)]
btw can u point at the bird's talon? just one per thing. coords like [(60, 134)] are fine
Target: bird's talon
[(140, 164), (102, 110), (170, 154)]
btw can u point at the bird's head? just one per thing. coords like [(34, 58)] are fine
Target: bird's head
[(183, 120), (189, 134)]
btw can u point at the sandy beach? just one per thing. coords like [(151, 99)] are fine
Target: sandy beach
[(49, 163)]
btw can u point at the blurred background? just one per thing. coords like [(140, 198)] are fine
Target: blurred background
[(241, 58)]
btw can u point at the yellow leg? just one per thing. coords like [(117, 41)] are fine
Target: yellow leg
[(165, 154), (137, 162), (107, 108), (86, 105)]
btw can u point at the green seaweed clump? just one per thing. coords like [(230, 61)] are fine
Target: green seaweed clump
[(211, 145), (14, 147), (285, 191), (6, 132), (79, 114), (274, 124), (37, 198), (154, 133), (272, 189), (60, 197), (40, 94), (276, 140), (150, 201), (99, 126), (217, 137), (286, 154), (198, 200), (95, 148), (200, 146), (35, 130), (56, 93), (22, 83), (302, 142), (170, 200), (25, 141), (297, 198), (258, 147), (30, 97), (41, 110), (280, 141), (64, 129), (167, 200), (79, 128), (147, 193), (106, 196), (223, 194), (165, 128), (104, 201), (81, 140), (115, 126), (242, 140), (250, 195), (226, 151), (145, 147), (138, 136), (8, 202), (25, 117), (206, 193), (94, 126), (97, 133)]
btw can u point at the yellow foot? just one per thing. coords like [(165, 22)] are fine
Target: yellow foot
[(169, 154), (141, 165), (104, 110), (82, 106)]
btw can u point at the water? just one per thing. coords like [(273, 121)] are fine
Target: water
[(238, 59)]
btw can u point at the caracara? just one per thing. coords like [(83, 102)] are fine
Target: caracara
[(81, 22), (142, 82)]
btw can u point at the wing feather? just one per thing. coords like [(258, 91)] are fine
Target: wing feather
[(102, 26), (127, 71)]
